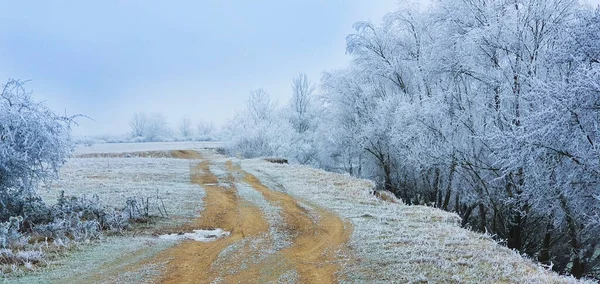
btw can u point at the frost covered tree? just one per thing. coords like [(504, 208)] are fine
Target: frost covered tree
[(301, 103), (264, 129), (487, 108), (205, 131), (34, 143), (302, 115), (360, 110), (560, 148), (150, 128), (157, 128), (185, 127), (138, 124), (256, 131), (259, 106)]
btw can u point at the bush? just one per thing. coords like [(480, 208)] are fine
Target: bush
[(81, 219), (71, 221), (34, 143)]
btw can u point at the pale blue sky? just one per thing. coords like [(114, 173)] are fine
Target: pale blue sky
[(108, 59), (181, 58)]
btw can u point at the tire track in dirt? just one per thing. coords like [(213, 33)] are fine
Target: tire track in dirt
[(110, 272), (191, 261), (248, 254), (316, 243), (313, 253)]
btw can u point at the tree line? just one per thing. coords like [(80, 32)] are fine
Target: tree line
[(486, 108), (155, 128)]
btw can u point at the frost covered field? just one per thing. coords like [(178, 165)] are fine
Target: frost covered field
[(150, 146), (115, 172), (115, 180), (389, 241)]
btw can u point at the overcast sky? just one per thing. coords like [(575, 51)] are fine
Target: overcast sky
[(109, 59), (190, 58)]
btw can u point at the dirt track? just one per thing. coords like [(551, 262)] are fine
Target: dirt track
[(316, 238), (275, 238)]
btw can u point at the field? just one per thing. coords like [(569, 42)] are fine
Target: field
[(284, 224)]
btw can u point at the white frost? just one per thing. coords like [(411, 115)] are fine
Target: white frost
[(198, 235)]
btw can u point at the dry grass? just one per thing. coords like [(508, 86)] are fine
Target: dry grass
[(93, 263), (142, 147), (115, 180), (142, 154), (395, 243), (390, 242)]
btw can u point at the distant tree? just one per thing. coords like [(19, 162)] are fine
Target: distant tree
[(302, 96), (205, 130), (185, 127), (138, 124), (34, 143), (302, 114), (150, 128), (259, 129), (259, 106), (157, 128)]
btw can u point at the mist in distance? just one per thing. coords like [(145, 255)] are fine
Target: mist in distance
[(196, 59)]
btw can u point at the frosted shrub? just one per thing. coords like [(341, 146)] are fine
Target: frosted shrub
[(82, 219), (12, 242), (34, 143), (9, 231), (12, 262)]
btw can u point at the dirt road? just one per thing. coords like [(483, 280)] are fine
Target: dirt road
[(273, 236)]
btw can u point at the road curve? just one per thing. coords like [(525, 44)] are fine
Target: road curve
[(313, 249)]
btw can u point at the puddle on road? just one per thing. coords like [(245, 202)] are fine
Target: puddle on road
[(198, 235)]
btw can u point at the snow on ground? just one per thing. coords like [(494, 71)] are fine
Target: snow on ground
[(150, 146), (399, 243), (197, 235)]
